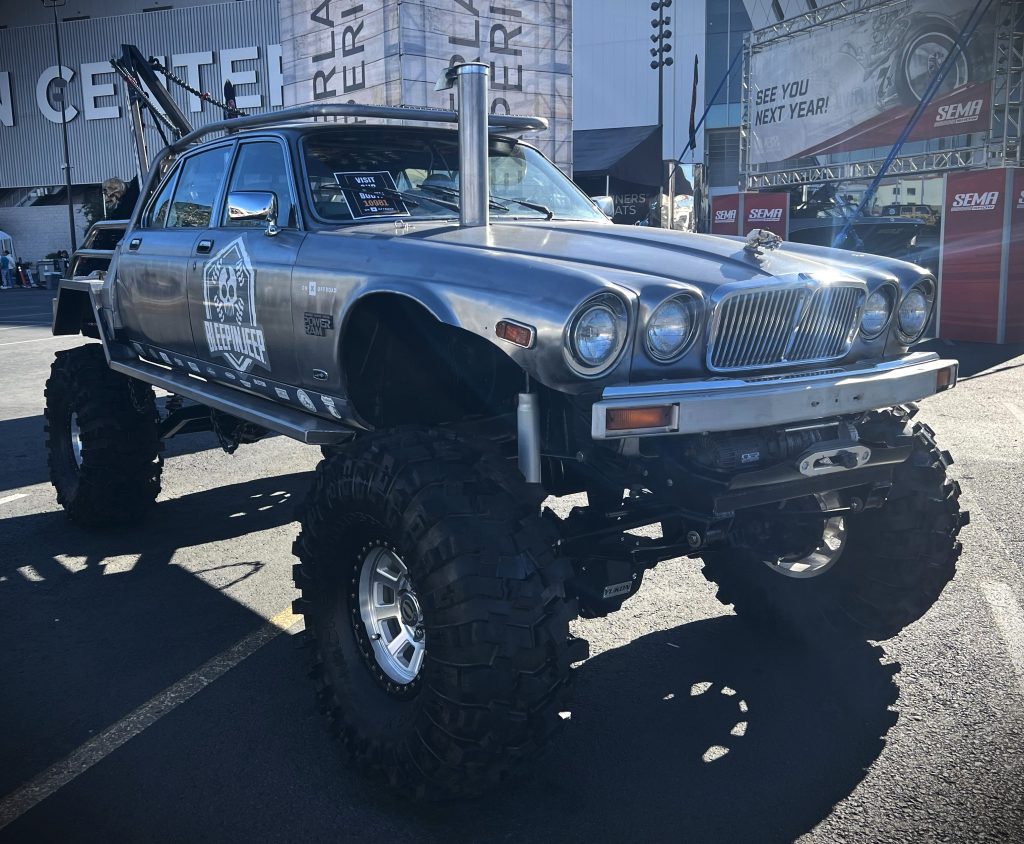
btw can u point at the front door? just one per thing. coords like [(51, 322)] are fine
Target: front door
[(153, 264), (240, 279)]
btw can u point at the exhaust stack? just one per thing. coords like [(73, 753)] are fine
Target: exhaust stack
[(474, 175)]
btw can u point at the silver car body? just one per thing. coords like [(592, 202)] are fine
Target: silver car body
[(294, 292)]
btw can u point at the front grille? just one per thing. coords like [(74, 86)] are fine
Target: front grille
[(784, 326)]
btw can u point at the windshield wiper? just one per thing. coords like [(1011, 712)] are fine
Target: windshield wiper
[(496, 202), (536, 206)]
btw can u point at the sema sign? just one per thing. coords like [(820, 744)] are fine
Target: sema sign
[(975, 201)]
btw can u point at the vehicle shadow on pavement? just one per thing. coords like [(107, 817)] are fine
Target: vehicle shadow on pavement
[(94, 623), (23, 450), (976, 358), (708, 732)]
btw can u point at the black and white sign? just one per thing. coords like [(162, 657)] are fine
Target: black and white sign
[(371, 195), (229, 303)]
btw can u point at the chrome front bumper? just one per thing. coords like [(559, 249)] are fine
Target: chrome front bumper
[(735, 404)]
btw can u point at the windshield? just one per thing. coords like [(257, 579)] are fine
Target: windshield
[(359, 174)]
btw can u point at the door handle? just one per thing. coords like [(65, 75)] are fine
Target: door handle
[(204, 247), (134, 243)]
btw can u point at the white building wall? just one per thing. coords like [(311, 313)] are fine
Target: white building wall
[(613, 83), (40, 229)]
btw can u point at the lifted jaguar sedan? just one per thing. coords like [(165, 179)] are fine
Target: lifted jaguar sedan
[(464, 334)]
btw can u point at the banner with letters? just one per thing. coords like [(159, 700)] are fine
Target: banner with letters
[(972, 255), (766, 211), (725, 214), (386, 52), (853, 84)]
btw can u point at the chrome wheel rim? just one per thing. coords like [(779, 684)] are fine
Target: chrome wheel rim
[(391, 613), (828, 550), (76, 440)]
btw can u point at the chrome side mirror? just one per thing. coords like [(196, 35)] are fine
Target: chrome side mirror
[(253, 206), (605, 204)]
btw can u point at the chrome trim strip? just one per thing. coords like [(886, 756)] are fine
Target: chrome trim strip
[(734, 404)]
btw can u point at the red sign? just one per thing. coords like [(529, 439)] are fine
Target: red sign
[(766, 211), (1015, 270), (725, 214), (972, 250), (964, 110)]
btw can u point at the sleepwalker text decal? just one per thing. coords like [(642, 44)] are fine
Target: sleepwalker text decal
[(229, 300)]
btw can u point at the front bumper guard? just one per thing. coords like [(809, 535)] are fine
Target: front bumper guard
[(736, 404)]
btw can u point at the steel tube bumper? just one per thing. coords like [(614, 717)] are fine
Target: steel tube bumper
[(737, 404)]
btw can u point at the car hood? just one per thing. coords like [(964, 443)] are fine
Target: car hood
[(637, 255)]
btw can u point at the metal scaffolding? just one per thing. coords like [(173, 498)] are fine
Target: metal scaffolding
[(1008, 86)]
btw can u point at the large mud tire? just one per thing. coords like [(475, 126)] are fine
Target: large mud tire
[(896, 563), (496, 670), (101, 438)]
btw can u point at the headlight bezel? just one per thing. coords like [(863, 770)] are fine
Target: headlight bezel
[(691, 304), (891, 293), (620, 313), (926, 287)]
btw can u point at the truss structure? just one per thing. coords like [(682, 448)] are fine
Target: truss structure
[(999, 147)]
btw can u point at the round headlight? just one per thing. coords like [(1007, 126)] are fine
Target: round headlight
[(670, 327), (913, 313), (596, 335), (877, 311)]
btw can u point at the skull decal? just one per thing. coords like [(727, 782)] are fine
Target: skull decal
[(229, 302)]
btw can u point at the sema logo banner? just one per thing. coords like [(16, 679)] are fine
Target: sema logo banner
[(766, 211), (973, 201), (952, 114), (725, 214), (764, 215)]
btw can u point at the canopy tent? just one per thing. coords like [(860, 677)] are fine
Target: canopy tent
[(624, 163), (630, 154), (6, 242)]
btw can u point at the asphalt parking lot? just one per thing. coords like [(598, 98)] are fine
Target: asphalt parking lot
[(130, 712)]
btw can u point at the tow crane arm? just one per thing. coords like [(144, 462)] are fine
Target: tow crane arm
[(141, 82)]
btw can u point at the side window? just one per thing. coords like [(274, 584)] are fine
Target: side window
[(261, 166), (197, 189), (161, 205)]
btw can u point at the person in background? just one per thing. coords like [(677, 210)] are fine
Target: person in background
[(6, 266), (120, 197)]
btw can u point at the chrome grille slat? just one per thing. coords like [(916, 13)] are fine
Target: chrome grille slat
[(783, 325)]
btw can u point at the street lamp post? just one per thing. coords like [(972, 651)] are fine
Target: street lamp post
[(53, 4), (659, 61)]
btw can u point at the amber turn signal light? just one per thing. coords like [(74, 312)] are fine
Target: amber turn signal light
[(636, 418), (515, 332), (945, 378)]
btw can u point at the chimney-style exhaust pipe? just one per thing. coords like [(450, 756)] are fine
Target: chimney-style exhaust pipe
[(474, 175)]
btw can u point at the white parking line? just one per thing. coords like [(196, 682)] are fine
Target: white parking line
[(1009, 618), (98, 748), (9, 498), (1016, 411), (37, 340)]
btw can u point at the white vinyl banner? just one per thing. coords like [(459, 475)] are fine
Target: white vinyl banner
[(853, 84), (387, 52)]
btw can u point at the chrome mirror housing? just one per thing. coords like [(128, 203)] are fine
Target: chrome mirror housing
[(605, 204), (253, 207)]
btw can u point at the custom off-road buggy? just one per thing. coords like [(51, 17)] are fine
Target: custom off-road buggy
[(464, 334)]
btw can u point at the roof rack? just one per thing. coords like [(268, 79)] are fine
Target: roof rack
[(513, 122)]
